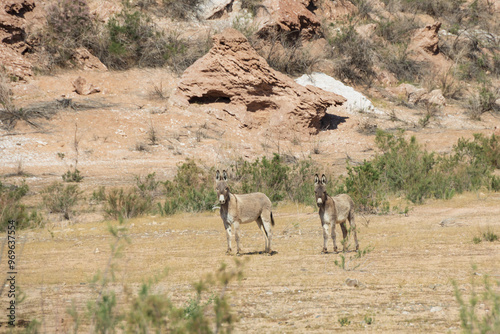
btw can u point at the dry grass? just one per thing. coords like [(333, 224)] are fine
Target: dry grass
[(408, 272)]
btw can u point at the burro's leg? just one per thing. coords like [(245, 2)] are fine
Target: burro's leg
[(344, 237), (268, 232), (334, 237), (353, 228), (237, 237), (228, 235), (325, 236)]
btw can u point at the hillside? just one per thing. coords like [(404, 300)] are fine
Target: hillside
[(137, 103)]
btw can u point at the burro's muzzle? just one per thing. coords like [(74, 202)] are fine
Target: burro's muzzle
[(222, 200), (319, 201)]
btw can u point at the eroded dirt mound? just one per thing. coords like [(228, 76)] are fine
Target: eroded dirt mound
[(233, 73)]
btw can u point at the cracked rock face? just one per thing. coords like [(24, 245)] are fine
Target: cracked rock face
[(234, 76), (13, 35)]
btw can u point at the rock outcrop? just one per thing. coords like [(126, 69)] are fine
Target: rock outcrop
[(426, 39), (289, 17), (13, 35), (235, 77), (414, 95), (424, 47), (355, 101), (87, 61)]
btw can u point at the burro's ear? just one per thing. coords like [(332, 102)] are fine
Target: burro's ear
[(323, 179), (224, 175), (217, 175), (316, 179)]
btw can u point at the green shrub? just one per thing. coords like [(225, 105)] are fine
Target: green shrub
[(268, 176), (344, 321), (72, 176), (127, 204), (61, 198), (472, 320), (99, 195), (11, 207), (403, 168), (251, 6), (192, 190)]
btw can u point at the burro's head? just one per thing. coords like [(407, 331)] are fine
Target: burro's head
[(320, 189), (221, 187)]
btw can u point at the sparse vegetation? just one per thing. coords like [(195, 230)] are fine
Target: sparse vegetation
[(344, 321), (60, 198), (72, 176), (127, 203), (191, 190), (354, 55), (286, 54), (353, 262), (481, 312), (404, 168), (11, 207), (488, 235), (148, 311)]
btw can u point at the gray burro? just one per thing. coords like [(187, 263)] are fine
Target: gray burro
[(241, 209), (332, 211)]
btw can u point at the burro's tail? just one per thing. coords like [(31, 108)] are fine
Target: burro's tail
[(272, 219)]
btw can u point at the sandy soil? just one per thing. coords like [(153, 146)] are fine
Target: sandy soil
[(405, 282)]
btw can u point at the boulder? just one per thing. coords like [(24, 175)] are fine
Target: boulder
[(414, 95), (424, 48), (87, 61), (232, 74), (15, 64), (426, 39), (334, 10), (82, 88), (214, 9), (289, 17), (355, 101)]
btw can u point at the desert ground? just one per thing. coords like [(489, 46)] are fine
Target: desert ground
[(405, 284)]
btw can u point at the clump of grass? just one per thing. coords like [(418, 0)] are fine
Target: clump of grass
[(99, 195), (488, 235), (61, 198), (72, 176), (344, 321)]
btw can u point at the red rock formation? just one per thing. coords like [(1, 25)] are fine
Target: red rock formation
[(13, 35), (290, 16), (233, 73)]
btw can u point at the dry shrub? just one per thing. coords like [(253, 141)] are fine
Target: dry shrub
[(181, 9), (284, 52), (397, 59), (353, 55)]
